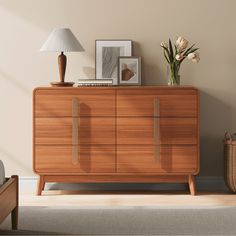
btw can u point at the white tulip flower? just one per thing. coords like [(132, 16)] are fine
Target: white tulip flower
[(194, 57), (179, 57), (163, 45), (181, 43)]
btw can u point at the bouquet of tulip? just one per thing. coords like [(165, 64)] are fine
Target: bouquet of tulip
[(175, 56)]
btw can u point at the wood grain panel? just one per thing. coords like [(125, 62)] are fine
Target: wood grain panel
[(141, 131), (170, 105), (74, 91), (94, 130), (178, 106), (61, 105), (58, 159), (116, 178), (154, 90), (97, 131), (179, 130), (140, 159), (124, 178), (135, 131)]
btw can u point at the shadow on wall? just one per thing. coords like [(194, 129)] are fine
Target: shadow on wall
[(24, 10), (215, 118), (89, 72), (16, 83), (8, 157), (150, 73)]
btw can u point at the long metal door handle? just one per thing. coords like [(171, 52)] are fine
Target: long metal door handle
[(75, 131), (156, 129)]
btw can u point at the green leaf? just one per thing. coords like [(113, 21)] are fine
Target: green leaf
[(166, 56), (188, 50), (165, 50), (181, 60), (193, 50), (168, 53), (171, 51), (176, 50)]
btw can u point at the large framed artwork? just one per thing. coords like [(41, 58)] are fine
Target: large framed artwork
[(107, 54)]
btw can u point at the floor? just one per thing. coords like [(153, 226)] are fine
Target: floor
[(113, 195), (125, 212), (127, 198)]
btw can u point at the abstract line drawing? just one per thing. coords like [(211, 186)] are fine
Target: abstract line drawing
[(107, 55), (109, 61)]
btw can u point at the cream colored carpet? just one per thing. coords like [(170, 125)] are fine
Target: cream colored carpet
[(154, 220)]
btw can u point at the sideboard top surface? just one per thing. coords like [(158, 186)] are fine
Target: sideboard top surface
[(182, 87), (138, 90)]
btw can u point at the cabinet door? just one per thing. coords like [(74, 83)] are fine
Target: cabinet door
[(91, 130), (58, 103), (168, 105), (173, 159), (144, 130), (58, 159)]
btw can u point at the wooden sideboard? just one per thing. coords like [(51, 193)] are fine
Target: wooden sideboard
[(145, 134)]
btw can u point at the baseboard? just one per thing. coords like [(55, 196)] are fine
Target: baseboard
[(211, 183), (203, 183), (27, 184)]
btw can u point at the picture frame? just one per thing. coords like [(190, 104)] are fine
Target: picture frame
[(129, 70), (107, 55)]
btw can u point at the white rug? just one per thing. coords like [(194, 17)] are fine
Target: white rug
[(124, 221)]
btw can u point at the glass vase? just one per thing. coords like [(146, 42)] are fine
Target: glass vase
[(173, 75)]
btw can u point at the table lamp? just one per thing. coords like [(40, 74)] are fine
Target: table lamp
[(62, 40)]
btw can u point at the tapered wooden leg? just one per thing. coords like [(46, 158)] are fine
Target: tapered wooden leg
[(41, 185), (14, 218), (191, 184)]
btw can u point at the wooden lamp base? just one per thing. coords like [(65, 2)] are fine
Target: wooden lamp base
[(62, 70), (62, 84)]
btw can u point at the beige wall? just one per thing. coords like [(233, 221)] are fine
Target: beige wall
[(25, 24)]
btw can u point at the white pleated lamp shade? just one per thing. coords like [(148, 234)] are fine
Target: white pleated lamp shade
[(62, 40)]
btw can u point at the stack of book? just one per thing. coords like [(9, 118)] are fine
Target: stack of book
[(95, 82)]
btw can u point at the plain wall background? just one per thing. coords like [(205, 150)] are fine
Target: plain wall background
[(26, 24)]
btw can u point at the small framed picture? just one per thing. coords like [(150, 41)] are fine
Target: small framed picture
[(107, 54), (129, 71)]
